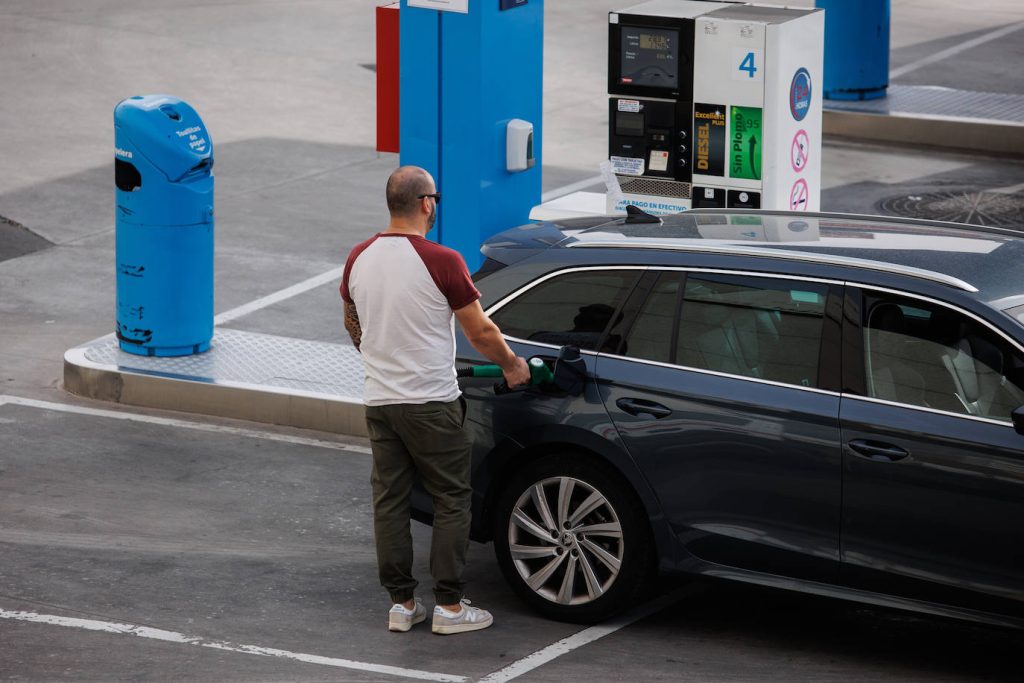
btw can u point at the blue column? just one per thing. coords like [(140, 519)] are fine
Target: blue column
[(463, 78), (856, 48), (419, 95)]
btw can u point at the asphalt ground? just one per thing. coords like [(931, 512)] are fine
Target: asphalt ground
[(246, 550), (191, 563)]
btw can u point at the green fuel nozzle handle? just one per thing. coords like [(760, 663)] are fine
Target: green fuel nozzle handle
[(540, 373), (480, 371)]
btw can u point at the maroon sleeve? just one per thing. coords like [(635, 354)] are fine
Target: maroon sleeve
[(449, 272), (346, 295)]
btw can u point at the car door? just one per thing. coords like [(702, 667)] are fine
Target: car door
[(724, 389), (933, 487)]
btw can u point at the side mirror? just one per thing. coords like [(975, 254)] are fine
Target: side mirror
[(1018, 420)]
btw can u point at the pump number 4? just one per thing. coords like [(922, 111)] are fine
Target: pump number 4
[(748, 64)]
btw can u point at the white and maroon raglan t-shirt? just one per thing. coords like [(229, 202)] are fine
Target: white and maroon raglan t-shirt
[(405, 289)]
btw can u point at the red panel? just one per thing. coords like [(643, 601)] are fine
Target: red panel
[(387, 78)]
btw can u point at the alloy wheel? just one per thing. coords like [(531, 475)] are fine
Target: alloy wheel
[(566, 540)]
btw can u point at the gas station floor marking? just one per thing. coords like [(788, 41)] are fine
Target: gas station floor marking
[(183, 639), (956, 49), (585, 637), (280, 295), (184, 424)]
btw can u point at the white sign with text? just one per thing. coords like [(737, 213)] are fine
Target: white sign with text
[(442, 5)]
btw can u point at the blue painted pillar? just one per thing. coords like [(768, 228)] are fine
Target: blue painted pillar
[(463, 77), (856, 48)]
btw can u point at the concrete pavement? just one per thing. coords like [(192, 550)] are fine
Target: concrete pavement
[(239, 532)]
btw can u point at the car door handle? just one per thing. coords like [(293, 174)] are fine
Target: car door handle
[(877, 451), (637, 406)]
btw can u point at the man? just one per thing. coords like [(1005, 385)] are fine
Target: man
[(401, 292)]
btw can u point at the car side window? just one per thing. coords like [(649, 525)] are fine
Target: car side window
[(928, 355), (768, 328), (652, 336), (574, 308)]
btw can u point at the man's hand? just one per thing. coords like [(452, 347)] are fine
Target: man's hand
[(518, 374)]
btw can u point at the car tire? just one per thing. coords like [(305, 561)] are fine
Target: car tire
[(572, 539)]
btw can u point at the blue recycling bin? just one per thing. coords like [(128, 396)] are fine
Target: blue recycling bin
[(163, 170), (856, 49)]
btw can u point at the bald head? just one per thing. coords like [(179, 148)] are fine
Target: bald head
[(404, 187)]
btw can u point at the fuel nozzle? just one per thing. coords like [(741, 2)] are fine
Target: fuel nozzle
[(540, 373)]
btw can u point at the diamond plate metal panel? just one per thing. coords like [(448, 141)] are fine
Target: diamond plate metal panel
[(936, 101), (250, 359)]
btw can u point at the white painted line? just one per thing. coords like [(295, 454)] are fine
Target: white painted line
[(1012, 189), (281, 295), (956, 49), (185, 424), (569, 189), (182, 639), (584, 637)]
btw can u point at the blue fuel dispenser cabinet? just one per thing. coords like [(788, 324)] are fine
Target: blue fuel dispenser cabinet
[(163, 170), (856, 48), (471, 97)]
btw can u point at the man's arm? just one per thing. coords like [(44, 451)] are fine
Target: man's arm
[(355, 330), (486, 338)]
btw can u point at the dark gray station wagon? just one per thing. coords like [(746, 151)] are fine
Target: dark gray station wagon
[(825, 403)]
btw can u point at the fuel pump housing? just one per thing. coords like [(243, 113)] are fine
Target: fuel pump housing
[(715, 104)]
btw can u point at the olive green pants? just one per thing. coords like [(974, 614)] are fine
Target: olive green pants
[(428, 439)]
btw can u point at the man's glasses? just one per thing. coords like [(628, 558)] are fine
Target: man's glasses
[(435, 195)]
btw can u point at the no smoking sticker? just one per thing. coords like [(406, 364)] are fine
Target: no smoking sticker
[(800, 151), (798, 195)]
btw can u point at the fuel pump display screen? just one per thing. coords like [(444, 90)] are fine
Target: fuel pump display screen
[(629, 123), (650, 57)]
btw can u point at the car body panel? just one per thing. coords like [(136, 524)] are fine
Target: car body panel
[(534, 421), (748, 474), (950, 513), (755, 480)]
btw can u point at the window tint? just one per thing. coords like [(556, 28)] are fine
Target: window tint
[(755, 327), (932, 356), (574, 308), (652, 335)]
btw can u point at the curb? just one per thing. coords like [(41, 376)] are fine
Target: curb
[(948, 132), (304, 410)]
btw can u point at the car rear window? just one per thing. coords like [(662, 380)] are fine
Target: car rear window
[(753, 327), (932, 356), (770, 329)]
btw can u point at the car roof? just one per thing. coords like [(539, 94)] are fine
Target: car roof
[(976, 259)]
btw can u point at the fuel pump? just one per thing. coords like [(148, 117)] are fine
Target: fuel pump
[(715, 104)]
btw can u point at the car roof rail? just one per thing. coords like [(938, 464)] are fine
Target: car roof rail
[(782, 254), (869, 218)]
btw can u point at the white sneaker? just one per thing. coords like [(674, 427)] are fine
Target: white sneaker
[(402, 619), (468, 619)]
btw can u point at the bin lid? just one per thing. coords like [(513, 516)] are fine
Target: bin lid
[(168, 132)]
